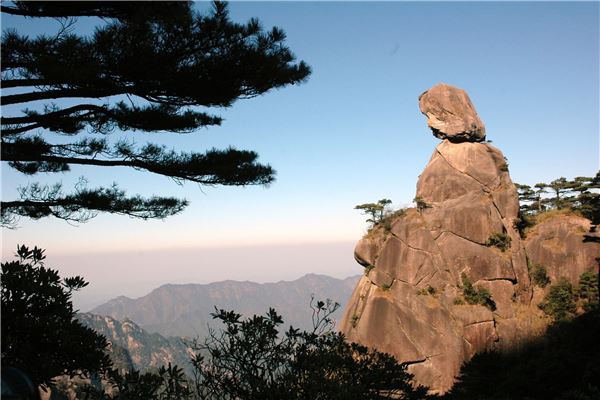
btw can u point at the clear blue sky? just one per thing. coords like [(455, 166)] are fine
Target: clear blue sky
[(353, 133)]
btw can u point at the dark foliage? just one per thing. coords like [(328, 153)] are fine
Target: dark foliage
[(539, 276), (559, 303), (40, 334), (563, 364), (499, 240), (162, 60), (588, 290), (167, 383), (85, 203), (473, 295), (252, 359)]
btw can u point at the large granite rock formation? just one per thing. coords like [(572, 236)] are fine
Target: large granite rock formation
[(466, 197), (411, 302), (451, 115)]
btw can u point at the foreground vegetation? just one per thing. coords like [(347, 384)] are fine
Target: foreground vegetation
[(248, 359)]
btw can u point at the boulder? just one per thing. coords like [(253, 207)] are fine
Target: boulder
[(451, 115)]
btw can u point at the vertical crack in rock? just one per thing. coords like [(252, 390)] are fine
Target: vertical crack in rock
[(459, 171)]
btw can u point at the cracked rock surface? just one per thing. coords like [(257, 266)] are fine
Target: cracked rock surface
[(411, 301), (468, 197)]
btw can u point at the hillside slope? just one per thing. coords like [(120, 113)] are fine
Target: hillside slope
[(132, 346)]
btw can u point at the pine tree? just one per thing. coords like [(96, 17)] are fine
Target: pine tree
[(148, 67)]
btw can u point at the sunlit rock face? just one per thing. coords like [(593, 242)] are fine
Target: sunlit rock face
[(559, 244), (406, 304), (411, 301), (451, 115)]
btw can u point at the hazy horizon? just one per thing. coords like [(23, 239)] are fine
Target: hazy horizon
[(136, 273)]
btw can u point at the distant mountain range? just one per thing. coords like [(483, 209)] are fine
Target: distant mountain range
[(184, 310)]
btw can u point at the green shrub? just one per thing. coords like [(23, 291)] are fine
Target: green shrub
[(559, 303), (368, 269), (480, 296), (523, 223), (499, 240), (385, 287), (255, 359), (588, 290), (429, 290), (539, 276)]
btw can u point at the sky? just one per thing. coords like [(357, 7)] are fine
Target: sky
[(351, 134)]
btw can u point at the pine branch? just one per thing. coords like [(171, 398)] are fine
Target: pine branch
[(223, 167), (57, 94), (102, 9), (42, 201), (103, 119)]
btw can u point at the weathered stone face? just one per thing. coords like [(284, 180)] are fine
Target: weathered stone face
[(559, 242), (406, 303), (451, 115), (411, 302)]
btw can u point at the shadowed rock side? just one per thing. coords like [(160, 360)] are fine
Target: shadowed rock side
[(406, 303)]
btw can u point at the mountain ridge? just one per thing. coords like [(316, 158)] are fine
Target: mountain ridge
[(184, 309)]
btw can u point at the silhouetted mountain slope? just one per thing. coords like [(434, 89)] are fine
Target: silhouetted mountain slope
[(184, 310)]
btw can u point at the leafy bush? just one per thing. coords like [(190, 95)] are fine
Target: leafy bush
[(40, 334), (499, 240), (480, 296), (588, 290), (166, 383), (523, 223), (559, 303), (429, 290), (539, 276), (251, 359)]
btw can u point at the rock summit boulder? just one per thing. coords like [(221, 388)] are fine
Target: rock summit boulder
[(451, 115)]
